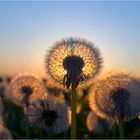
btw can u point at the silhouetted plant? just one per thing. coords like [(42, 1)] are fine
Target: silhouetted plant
[(115, 96), (73, 62), (49, 114), (26, 86)]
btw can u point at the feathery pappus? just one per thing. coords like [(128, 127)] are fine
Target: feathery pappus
[(49, 114), (116, 95), (73, 61)]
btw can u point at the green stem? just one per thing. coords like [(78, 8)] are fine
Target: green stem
[(40, 133), (27, 124), (114, 134), (73, 117), (107, 135), (121, 128), (65, 135), (49, 136)]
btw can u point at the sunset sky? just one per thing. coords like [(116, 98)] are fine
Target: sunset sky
[(28, 29)]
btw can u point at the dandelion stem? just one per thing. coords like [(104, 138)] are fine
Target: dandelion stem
[(121, 128), (114, 134), (27, 128), (73, 107), (49, 136), (27, 124), (40, 133), (65, 135)]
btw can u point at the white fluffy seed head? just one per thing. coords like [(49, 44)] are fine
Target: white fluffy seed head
[(26, 86), (73, 61), (4, 86), (97, 125), (49, 113), (114, 95)]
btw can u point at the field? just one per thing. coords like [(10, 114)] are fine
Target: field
[(14, 119)]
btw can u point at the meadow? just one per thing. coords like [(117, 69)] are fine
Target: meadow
[(14, 117)]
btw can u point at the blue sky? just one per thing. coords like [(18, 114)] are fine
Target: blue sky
[(28, 29)]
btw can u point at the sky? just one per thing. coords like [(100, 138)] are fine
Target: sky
[(28, 29)]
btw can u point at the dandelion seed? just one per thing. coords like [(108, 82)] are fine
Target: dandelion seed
[(49, 113), (97, 125), (116, 95), (73, 61), (25, 86)]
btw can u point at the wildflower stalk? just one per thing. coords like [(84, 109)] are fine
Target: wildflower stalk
[(121, 128), (27, 127), (27, 124), (73, 107), (114, 131), (65, 135), (40, 133), (49, 136)]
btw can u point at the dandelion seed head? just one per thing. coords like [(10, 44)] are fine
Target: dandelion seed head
[(120, 97), (73, 61), (49, 113), (73, 66), (4, 86), (97, 125), (27, 90), (116, 95), (50, 116), (25, 86)]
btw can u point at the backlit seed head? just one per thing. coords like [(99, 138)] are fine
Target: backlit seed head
[(73, 61), (97, 125), (4, 85), (25, 86), (49, 113), (116, 95)]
